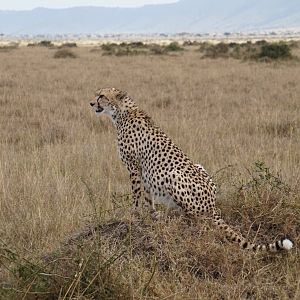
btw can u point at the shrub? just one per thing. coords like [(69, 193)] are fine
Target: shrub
[(125, 49), (191, 43), (275, 51), (233, 45), (109, 46), (136, 48), (137, 45), (261, 42), (261, 176), (260, 50), (64, 53), (157, 49), (204, 46), (218, 50), (173, 47), (45, 44), (69, 45)]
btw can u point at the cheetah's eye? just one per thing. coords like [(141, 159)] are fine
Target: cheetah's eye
[(100, 97)]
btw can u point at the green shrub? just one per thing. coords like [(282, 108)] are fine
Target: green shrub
[(191, 43), (261, 50), (275, 51), (204, 46), (109, 46), (45, 44), (233, 45), (173, 47), (157, 49), (64, 53), (261, 176), (137, 45), (216, 51), (137, 48), (261, 42), (69, 45)]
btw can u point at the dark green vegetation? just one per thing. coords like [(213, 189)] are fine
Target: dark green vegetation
[(64, 53), (260, 50), (68, 45), (136, 48), (43, 43), (51, 45)]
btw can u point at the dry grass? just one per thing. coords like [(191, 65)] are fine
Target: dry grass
[(59, 171)]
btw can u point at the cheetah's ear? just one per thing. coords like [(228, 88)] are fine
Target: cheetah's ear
[(121, 95)]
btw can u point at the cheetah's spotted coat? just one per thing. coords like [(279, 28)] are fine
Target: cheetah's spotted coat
[(165, 172)]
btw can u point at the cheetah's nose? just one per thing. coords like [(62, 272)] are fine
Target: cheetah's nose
[(92, 104)]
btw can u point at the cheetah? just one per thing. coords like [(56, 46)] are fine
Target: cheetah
[(161, 167)]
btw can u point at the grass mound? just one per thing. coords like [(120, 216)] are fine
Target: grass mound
[(142, 259)]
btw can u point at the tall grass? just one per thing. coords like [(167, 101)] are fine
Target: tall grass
[(60, 172)]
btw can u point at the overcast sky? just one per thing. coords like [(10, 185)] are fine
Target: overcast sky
[(30, 4)]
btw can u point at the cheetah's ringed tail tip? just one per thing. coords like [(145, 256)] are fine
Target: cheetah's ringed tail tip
[(287, 244)]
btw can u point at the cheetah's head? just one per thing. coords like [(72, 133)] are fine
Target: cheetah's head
[(110, 101)]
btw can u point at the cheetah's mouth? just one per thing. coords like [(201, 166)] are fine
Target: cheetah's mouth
[(99, 109)]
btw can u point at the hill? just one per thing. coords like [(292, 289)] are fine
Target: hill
[(193, 16)]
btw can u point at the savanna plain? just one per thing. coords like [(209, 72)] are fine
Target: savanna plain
[(66, 226)]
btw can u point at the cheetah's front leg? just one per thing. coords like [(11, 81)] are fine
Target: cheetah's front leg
[(149, 202), (135, 177)]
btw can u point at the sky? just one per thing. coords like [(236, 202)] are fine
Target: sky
[(30, 4)]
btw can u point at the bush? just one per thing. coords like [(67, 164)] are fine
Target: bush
[(261, 42), (137, 45), (218, 50), (45, 44), (137, 48), (157, 49), (191, 43), (275, 51), (109, 46), (64, 53), (173, 47), (260, 50), (69, 45)]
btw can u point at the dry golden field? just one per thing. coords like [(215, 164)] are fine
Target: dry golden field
[(60, 172)]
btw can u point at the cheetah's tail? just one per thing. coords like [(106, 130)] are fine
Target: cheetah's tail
[(231, 234)]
